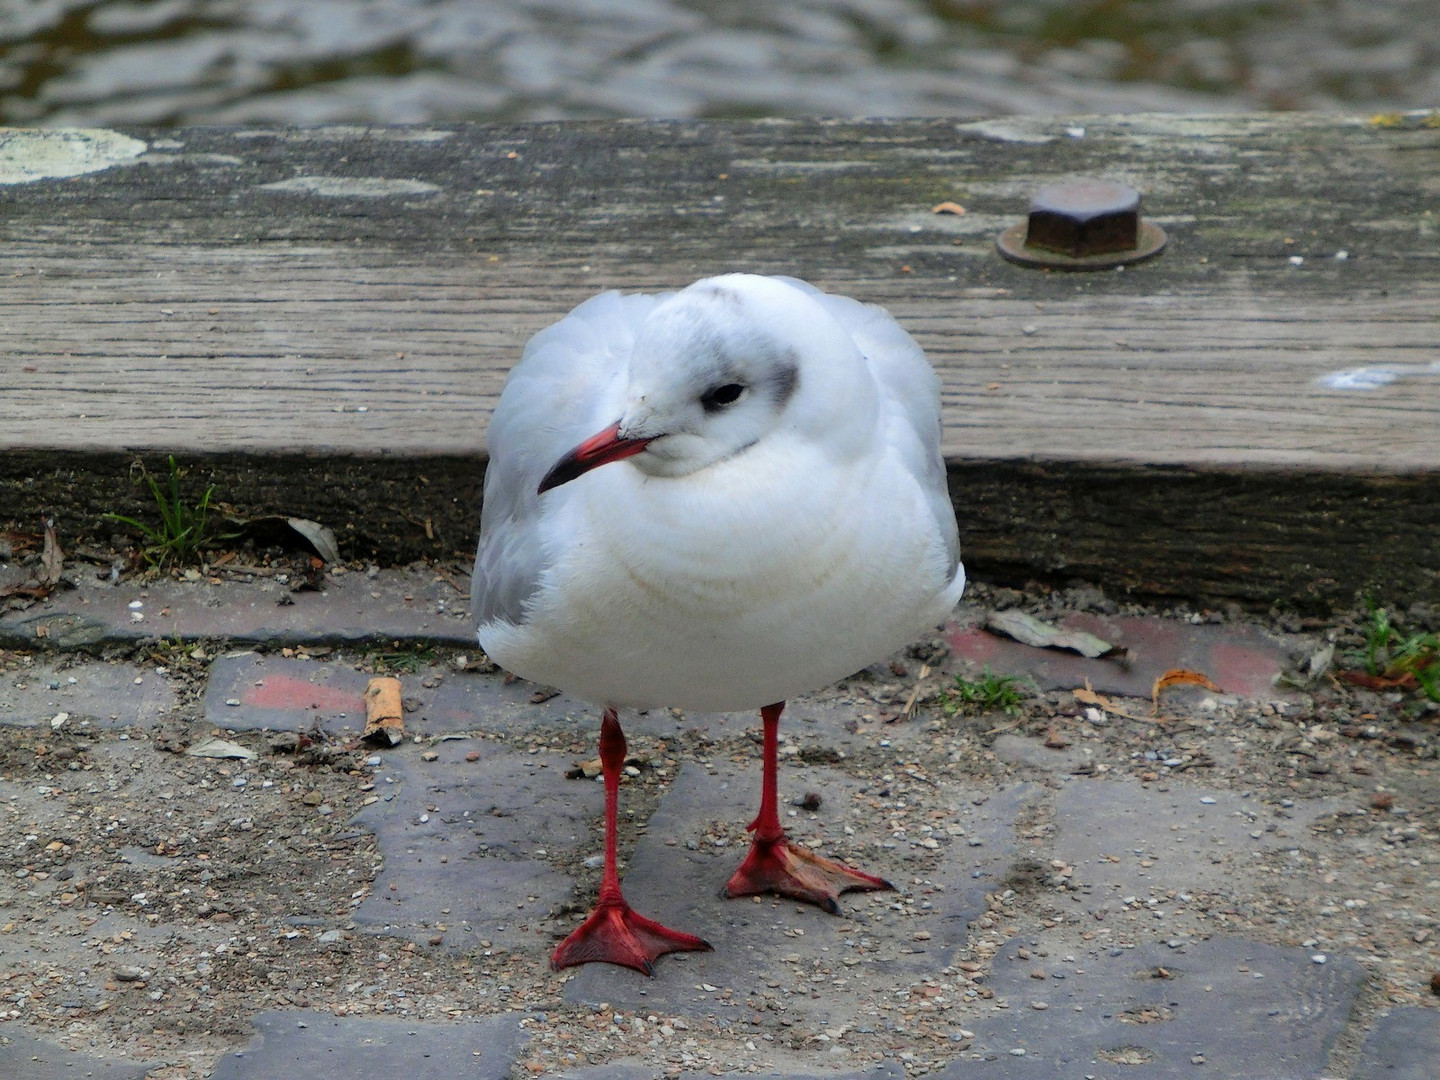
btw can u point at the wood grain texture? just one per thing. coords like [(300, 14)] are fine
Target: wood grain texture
[(183, 303)]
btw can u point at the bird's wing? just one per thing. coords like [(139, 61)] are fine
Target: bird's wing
[(909, 391), (567, 385)]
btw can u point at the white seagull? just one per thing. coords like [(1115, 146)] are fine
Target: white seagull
[(772, 517)]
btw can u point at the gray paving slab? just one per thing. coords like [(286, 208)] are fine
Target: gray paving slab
[(248, 690), (1129, 837), (1404, 1045), (308, 1043), (23, 1057), (468, 845), (1227, 1008), (91, 694), (621, 1070), (695, 840), (405, 604), (1027, 750), (1239, 659)]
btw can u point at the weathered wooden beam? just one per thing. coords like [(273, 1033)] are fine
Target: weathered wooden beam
[(322, 315)]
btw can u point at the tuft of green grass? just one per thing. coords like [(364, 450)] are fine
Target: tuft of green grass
[(988, 693), (183, 529), (401, 659), (1390, 654)]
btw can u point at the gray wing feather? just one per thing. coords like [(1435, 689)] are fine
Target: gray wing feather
[(910, 390), (561, 392)]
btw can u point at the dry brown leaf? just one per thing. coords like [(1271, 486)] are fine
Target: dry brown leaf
[(43, 581), (1028, 630), (1407, 681), (1179, 677), (909, 710), (52, 559), (1087, 696)]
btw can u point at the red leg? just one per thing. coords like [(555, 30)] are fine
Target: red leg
[(776, 865), (614, 933)]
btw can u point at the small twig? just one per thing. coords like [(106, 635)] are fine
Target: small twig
[(908, 712)]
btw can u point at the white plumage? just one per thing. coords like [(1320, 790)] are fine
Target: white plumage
[(819, 540), (713, 499)]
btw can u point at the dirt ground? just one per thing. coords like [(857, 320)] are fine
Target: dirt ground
[(152, 902)]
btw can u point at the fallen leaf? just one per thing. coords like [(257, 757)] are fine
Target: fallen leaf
[(1085, 695), (43, 582), (1317, 665), (321, 537), (281, 528), (52, 559), (220, 748), (1179, 677), (1029, 630), (1364, 679)]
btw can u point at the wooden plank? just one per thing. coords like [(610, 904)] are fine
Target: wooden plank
[(185, 303), (170, 347)]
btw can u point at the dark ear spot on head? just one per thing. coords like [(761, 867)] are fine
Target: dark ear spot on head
[(785, 379), (729, 297)]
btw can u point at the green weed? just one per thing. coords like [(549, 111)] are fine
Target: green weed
[(988, 693), (401, 660), (182, 532), (1390, 654)]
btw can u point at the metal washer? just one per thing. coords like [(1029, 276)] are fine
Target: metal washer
[(1011, 243)]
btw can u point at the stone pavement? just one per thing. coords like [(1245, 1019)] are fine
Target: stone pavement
[(1061, 915)]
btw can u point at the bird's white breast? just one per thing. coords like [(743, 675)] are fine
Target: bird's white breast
[(770, 574)]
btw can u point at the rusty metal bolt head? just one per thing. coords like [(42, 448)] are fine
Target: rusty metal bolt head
[(1084, 217), (1082, 225)]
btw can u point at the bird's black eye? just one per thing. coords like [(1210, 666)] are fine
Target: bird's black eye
[(716, 399)]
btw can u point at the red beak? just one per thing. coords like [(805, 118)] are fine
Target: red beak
[(600, 449)]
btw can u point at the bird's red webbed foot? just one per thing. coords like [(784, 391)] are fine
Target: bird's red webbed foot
[(779, 866), (615, 933), (776, 865)]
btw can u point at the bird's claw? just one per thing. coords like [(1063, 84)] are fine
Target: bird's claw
[(776, 865), (615, 934)]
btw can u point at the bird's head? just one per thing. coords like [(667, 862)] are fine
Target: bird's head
[(715, 369)]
